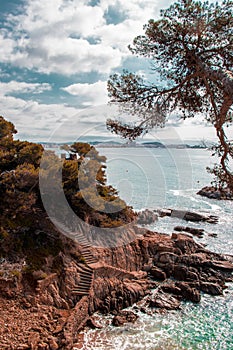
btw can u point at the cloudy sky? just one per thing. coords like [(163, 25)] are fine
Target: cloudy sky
[(55, 59)]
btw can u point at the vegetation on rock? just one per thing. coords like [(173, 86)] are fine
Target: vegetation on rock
[(25, 231)]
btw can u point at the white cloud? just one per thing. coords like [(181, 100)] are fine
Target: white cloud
[(6, 47), (59, 122), (35, 121), (51, 122), (94, 94), (23, 87), (70, 37)]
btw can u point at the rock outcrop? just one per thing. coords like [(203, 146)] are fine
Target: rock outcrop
[(194, 231), (215, 193), (50, 312), (188, 215)]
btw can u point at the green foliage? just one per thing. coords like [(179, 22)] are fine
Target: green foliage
[(7, 130), (25, 232)]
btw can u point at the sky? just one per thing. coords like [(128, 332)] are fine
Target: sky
[(55, 60)]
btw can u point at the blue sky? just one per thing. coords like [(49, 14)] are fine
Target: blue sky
[(56, 57)]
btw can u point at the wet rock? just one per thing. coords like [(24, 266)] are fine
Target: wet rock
[(211, 288), (93, 322), (194, 231), (186, 243), (196, 259), (221, 265), (188, 292), (194, 217), (171, 288), (124, 317), (164, 301), (212, 235)]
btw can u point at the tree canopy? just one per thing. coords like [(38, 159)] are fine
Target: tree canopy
[(191, 49)]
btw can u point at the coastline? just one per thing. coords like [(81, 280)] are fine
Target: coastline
[(177, 266)]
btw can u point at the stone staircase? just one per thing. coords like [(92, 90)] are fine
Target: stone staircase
[(87, 254), (86, 278), (85, 270)]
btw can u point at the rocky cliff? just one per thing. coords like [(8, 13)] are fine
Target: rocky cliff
[(48, 310)]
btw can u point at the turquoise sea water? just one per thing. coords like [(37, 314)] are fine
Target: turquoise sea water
[(170, 178)]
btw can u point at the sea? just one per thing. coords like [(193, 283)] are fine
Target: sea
[(156, 178)]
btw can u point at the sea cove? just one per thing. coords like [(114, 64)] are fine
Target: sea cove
[(209, 324)]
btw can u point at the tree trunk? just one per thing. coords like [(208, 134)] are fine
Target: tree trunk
[(219, 125), (225, 78)]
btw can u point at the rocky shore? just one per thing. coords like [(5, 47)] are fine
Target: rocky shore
[(156, 271)]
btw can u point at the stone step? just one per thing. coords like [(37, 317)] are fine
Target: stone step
[(85, 268), (90, 258), (84, 283), (86, 290), (87, 273), (79, 292), (83, 287), (86, 278), (87, 254), (87, 258)]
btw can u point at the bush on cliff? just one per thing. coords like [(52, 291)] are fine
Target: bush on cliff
[(25, 230)]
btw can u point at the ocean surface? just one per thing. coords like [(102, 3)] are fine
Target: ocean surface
[(170, 178)]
